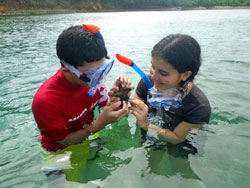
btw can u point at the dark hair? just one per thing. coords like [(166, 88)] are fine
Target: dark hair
[(77, 46), (181, 51)]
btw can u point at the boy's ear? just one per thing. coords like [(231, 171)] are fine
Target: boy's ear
[(186, 75)]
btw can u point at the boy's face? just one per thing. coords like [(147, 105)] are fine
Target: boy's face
[(83, 69)]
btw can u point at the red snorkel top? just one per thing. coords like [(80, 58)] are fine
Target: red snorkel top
[(95, 30), (124, 60), (91, 28), (130, 63)]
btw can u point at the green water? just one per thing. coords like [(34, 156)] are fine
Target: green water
[(27, 58)]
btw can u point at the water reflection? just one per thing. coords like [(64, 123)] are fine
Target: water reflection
[(73, 164), (170, 160), (89, 161)]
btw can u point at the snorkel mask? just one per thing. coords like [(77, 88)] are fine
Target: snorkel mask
[(93, 75), (169, 98), (96, 75)]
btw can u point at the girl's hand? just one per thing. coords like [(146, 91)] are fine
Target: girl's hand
[(140, 111)]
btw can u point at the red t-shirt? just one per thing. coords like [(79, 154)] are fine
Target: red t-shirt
[(60, 108)]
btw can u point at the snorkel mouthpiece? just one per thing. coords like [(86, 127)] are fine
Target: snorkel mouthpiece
[(130, 63), (92, 91)]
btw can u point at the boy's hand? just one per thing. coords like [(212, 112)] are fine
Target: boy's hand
[(110, 114)]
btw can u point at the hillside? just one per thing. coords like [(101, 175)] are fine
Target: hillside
[(9, 6)]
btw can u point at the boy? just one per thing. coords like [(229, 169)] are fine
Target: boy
[(63, 106)]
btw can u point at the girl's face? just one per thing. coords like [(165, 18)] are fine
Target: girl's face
[(164, 75)]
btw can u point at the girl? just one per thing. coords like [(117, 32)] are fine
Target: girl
[(175, 62)]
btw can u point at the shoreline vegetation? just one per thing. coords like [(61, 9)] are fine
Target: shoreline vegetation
[(19, 7)]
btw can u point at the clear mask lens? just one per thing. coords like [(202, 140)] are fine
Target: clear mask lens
[(100, 73)]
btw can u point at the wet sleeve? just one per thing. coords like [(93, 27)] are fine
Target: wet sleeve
[(198, 115), (50, 120)]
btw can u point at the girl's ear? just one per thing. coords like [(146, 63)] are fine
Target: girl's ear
[(186, 75)]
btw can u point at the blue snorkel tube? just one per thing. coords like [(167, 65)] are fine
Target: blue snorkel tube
[(130, 63), (143, 76)]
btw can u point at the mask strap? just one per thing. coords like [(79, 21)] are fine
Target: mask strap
[(71, 68)]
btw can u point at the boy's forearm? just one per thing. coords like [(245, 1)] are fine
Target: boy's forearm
[(83, 134), (75, 137)]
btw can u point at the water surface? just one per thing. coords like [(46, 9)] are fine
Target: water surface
[(28, 58)]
